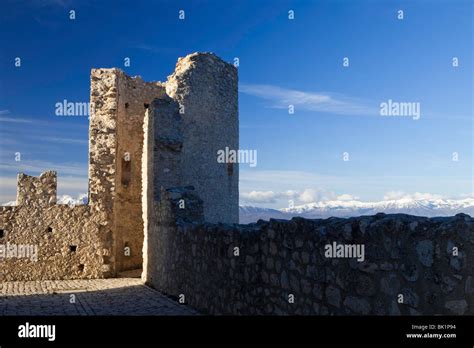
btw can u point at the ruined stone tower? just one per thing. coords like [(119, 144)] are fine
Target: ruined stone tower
[(189, 118), (195, 114)]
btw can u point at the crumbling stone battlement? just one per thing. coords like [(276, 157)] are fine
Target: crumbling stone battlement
[(40, 191), (42, 240)]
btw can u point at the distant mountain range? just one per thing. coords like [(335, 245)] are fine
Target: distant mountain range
[(322, 210), (326, 209), (80, 200)]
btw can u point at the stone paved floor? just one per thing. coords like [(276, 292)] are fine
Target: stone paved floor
[(120, 296)]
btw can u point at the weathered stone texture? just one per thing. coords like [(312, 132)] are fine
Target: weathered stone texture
[(279, 258), (56, 241), (102, 156), (168, 144), (206, 89), (133, 99), (102, 139), (37, 191)]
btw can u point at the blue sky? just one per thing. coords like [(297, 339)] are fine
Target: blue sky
[(282, 62)]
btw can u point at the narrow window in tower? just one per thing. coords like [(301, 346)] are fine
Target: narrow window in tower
[(230, 168), (126, 169)]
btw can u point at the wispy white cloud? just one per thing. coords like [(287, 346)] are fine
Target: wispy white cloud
[(147, 47), (15, 120), (347, 197), (307, 195), (315, 196), (281, 98), (313, 186), (312, 195), (154, 49), (259, 196), (265, 196), (37, 166), (64, 140)]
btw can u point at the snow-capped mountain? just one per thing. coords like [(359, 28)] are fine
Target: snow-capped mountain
[(63, 199), (80, 200), (325, 209)]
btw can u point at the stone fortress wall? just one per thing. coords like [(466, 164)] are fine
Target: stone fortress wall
[(44, 240), (411, 266)]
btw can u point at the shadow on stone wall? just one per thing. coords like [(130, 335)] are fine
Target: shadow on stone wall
[(369, 265)]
